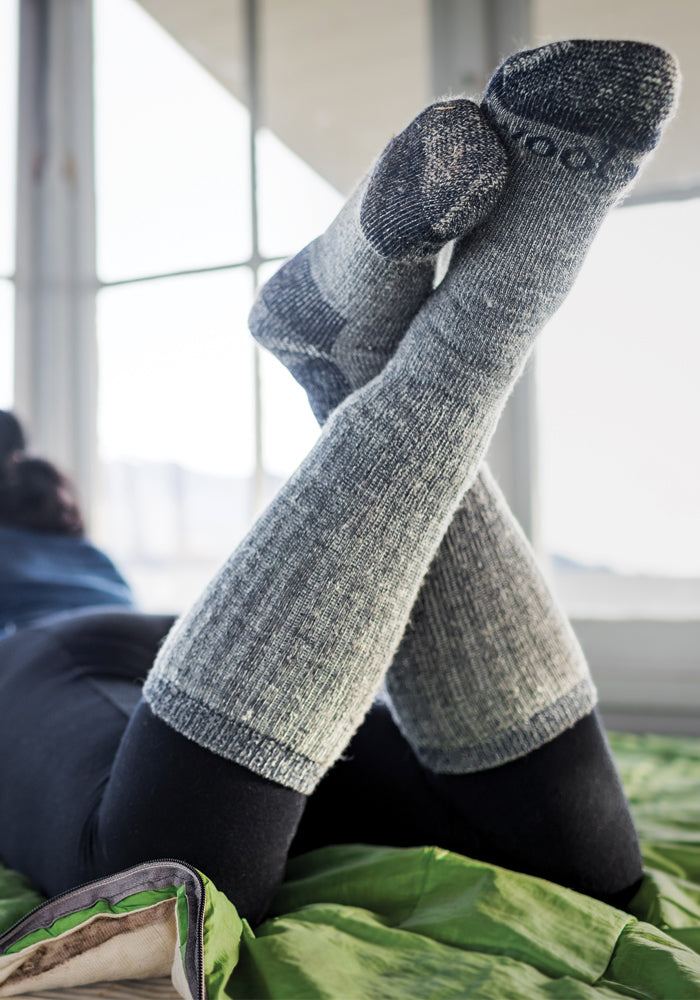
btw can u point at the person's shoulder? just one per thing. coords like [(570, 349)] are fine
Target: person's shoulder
[(33, 538)]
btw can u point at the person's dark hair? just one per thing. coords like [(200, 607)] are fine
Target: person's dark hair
[(11, 435), (34, 494)]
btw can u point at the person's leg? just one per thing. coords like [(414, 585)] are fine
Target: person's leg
[(510, 712), (277, 663), (69, 688), (557, 813), (489, 669)]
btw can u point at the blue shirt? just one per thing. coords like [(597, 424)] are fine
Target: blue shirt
[(42, 574)]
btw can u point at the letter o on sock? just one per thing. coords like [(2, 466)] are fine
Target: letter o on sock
[(540, 145), (577, 158)]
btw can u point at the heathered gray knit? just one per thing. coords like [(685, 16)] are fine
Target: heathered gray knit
[(488, 668), (276, 664)]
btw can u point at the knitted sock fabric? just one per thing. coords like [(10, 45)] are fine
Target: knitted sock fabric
[(278, 661), (489, 668), (335, 312), (518, 676)]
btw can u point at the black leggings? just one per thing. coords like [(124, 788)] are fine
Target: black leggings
[(92, 782)]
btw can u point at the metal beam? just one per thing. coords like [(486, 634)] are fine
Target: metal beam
[(56, 281), (469, 39)]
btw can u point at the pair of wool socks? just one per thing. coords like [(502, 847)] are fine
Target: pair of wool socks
[(488, 668), (276, 664)]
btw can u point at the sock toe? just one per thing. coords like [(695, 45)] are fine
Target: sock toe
[(435, 181), (623, 90)]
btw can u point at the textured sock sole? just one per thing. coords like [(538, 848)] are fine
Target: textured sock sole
[(435, 181), (615, 94), (625, 89)]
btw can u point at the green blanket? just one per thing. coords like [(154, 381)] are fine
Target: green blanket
[(362, 922)]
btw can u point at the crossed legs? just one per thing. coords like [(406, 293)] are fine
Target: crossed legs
[(263, 683), (84, 791), (278, 663)]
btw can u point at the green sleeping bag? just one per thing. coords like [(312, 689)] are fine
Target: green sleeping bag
[(367, 923)]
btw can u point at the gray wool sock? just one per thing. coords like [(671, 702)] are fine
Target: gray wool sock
[(335, 313), (518, 675), (488, 668), (276, 664)]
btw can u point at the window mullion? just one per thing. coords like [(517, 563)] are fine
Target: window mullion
[(252, 56), (56, 281), (468, 40)]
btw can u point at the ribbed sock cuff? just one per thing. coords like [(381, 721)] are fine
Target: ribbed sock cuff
[(517, 741), (232, 740)]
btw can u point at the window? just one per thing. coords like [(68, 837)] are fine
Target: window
[(174, 429), (190, 442), (619, 411), (8, 126), (620, 483), (171, 153)]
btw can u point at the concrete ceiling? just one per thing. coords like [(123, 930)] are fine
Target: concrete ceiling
[(338, 77)]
